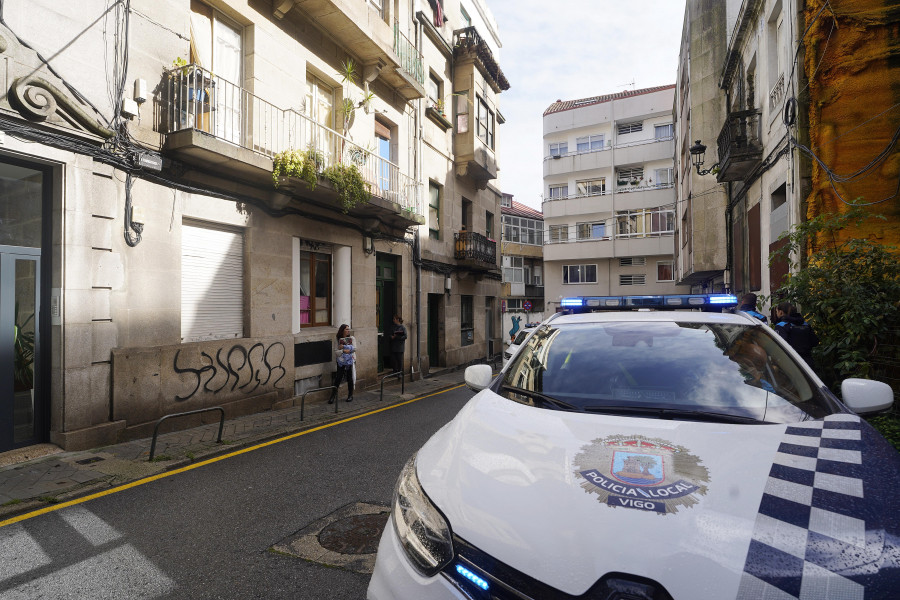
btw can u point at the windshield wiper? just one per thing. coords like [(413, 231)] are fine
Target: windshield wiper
[(543, 398), (670, 413)]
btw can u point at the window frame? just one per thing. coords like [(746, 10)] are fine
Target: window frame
[(582, 271), (554, 190), (665, 263), (559, 148), (558, 234), (595, 143), (589, 187), (467, 329), (434, 203), (590, 227), (315, 257)]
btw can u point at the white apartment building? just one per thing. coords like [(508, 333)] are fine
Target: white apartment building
[(609, 196)]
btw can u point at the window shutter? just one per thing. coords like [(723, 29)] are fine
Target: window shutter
[(212, 284)]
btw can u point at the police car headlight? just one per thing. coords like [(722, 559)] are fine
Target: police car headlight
[(421, 528)]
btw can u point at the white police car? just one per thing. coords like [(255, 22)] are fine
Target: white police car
[(649, 455)]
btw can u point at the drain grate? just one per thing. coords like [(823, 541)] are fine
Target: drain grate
[(347, 538), (354, 535)]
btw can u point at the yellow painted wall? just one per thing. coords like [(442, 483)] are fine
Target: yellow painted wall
[(852, 59)]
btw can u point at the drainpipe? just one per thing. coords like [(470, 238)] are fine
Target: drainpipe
[(417, 260)]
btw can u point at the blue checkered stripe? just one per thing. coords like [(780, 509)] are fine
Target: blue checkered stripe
[(808, 522)]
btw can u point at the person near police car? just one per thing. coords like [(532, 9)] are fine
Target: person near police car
[(795, 331), (748, 305), (398, 343), (345, 356)]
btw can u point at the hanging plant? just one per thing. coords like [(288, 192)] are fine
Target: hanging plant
[(302, 164), (349, 184)]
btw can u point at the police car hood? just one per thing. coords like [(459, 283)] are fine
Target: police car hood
[(707, 510)]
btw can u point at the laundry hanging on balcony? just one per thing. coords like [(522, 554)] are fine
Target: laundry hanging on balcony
[(437, 6)]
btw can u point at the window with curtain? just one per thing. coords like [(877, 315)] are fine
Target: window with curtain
[(314, 283), (589, 143), (559, 149)]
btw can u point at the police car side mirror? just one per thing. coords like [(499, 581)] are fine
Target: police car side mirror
[(865, 396), (478, 377)]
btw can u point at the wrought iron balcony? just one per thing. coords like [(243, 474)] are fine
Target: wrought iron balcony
[(195, 100), (475, 248), (468, 43), (740, 146)]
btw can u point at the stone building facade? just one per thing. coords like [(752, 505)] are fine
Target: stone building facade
[(153, 264)]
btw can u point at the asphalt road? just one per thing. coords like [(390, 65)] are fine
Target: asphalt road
[(208, 532)]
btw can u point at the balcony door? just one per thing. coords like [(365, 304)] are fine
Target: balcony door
[(319, 103), (217, 46)]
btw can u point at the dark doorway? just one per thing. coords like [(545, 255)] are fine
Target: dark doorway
[(434, 330), (24, 199), (386, 280)]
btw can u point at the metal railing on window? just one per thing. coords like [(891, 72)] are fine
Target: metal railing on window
[(197, 99)]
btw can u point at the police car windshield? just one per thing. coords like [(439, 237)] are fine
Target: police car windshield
[(725, 369)]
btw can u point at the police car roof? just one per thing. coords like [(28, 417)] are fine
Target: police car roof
[(655, 316)]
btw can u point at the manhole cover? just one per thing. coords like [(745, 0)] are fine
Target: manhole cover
[(358, 534)]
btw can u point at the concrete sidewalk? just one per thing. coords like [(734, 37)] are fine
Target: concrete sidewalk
[(59, 476)]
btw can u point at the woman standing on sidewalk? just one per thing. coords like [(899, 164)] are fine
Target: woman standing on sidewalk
[(346, 362), (398, 343)]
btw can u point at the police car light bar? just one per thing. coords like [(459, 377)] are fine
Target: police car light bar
[(662, 302)]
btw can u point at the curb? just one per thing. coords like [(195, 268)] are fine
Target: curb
[(111, 481)]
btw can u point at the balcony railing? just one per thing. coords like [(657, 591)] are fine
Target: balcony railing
[(740, 146), (777, 94), (411, 59), (620, 189), (196, 99), (473, 246)]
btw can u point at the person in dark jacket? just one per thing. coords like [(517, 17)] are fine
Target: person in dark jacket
[(796, 331), (748, 305), (398, 343)]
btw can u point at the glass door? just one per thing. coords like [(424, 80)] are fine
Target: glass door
[(19, 310)]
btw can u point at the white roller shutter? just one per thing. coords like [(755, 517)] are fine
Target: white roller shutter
[(212, 284)]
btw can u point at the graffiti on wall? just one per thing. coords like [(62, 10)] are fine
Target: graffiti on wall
[(245, 369)]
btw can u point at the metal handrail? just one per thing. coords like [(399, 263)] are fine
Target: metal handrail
[(190, 412), (393, 375), (303, 398)]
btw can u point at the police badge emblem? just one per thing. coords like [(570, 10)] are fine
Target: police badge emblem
[(641, 473)]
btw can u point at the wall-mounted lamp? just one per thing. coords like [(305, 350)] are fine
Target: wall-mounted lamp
[(368, 244), (698, 153), (447, 283)]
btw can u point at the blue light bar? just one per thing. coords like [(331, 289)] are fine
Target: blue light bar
[(662, 302), (472, 577)]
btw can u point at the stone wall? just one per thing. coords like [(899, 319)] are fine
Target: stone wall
[(242, 375)]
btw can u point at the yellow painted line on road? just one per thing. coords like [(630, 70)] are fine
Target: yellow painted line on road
[(203, 463)]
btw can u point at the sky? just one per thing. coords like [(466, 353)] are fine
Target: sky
[(571, 49)]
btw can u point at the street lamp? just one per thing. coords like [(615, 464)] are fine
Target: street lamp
[(698, 151)]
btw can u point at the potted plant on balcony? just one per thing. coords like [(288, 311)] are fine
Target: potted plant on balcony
[(349, 184), (302, 164)]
